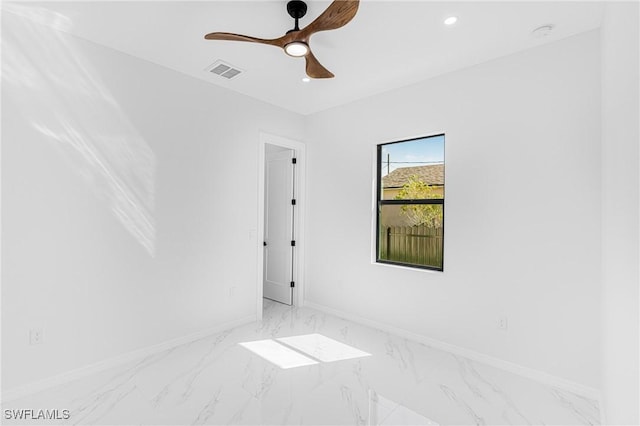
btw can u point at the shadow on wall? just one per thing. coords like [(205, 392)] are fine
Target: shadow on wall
[(60, 95)]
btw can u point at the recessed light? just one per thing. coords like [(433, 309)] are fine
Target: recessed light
[(306, 79), (451, 20)]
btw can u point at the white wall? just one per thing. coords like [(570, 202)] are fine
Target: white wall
[(522, 224), (620, 136), (129, 193)]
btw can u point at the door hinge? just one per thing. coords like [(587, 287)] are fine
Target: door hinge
[(293, 284), (294, 160), (293, 243), (293, 202)]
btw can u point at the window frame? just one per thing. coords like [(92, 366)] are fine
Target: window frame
[(380, 202)]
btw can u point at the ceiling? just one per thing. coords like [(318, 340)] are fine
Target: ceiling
[(388, 44)]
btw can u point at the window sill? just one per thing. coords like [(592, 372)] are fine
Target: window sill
[(407, 267)]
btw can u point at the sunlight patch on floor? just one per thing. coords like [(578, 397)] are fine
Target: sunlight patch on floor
[(322, 347), (306, 349), (278, 354)]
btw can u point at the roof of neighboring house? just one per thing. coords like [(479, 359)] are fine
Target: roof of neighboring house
[(432, 174)]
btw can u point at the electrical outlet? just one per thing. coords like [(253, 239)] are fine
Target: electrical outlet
[(503, 323), (35, 336)]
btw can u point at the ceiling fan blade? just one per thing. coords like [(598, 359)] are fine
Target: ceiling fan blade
[(337, 15), (239, 37), (315, 69)]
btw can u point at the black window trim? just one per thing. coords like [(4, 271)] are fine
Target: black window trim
[(380, 202)]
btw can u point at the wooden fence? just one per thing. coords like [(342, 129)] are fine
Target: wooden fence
[(419, 245)]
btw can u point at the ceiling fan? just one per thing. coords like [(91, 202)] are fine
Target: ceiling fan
[(296, 41)]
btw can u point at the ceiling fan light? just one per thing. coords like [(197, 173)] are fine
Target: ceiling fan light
[(296, 49)]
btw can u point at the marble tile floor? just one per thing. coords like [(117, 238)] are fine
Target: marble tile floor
[(370, 378)]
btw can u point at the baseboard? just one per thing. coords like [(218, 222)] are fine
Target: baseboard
[(530, 373), (59, 379)]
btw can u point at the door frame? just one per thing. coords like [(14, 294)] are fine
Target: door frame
[(298, 222)]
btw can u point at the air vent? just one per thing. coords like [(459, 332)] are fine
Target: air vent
[(224, 69)]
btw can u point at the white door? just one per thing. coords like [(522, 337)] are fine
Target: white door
[(279, 226)]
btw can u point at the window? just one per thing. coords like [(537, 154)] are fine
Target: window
[(410, 196)]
